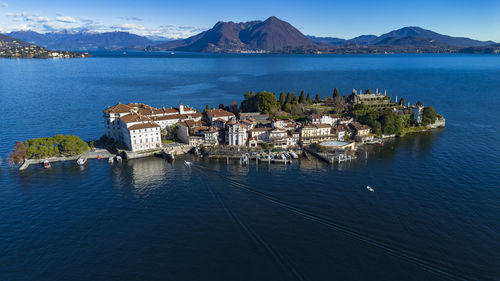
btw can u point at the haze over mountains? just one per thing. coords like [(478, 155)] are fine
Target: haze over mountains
[(272, 35)]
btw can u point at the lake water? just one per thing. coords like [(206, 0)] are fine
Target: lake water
[(434, 214)]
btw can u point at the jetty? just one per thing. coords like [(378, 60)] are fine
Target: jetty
[(91, 154)]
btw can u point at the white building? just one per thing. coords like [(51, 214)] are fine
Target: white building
[(138, 125), (139, 132), (324, 119), (418, 112), (236, 134)]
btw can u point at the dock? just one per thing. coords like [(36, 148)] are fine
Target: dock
[(89, 155)]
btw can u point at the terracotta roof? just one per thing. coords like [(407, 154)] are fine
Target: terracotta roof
[(323, 126), (118, 108), (143, 126), (220, 120), (134, 117), (358, 126), (158, 111), (219, 113), (177, 116), (261, 129), (140, 106), (190, 123)]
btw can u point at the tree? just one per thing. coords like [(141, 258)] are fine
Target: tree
[(368, 92), (206, 108), (429, 115), (419, 103), (55, 146), (308, 98), (221, 106), (282, 98), (288, 97), (263, 102), (317, 98), (287, 107), (336, 94), (402, 101), (302, 97), (249, 95), (18, 155)]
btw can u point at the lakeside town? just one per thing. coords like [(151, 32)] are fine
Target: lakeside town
[(13, 48), (263, 127)]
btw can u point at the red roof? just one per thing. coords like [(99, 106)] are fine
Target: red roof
[(143, 126), (219, 113), (118, 108), (133, 117)]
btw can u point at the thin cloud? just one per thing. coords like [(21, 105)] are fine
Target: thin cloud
[(28, 17), (4, 5), (66, 19), (131, 18), (128, 26)]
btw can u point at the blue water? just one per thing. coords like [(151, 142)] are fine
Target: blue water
[(434, 214)]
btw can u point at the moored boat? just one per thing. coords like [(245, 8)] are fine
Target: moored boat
[(118, 158), (111, 160), (369, 188), (81, 161), (46, 164)]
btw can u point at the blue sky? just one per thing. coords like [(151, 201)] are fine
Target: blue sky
[(478, 19)]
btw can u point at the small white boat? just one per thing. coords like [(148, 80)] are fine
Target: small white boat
[(294, 155), (46, 164), (187, 163), (172, 53), (283, 156), (81, 161), (369, 188), (118, 158), (111, 160)]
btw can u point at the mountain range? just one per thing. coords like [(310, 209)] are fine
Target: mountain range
[(272, 36)]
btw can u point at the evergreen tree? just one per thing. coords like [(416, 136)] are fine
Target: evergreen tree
[(368, 92), (302, 97), (402, 101), (206, 108), (419, 103), (308, 98), (336, 94), (288, 98), (317, 98), (282, 99)]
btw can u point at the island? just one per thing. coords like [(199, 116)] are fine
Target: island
[(263, 127)]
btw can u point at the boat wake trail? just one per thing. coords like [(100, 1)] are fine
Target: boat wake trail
[(256, 238), (428, 266)]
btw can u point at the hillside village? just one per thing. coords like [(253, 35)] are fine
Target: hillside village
[(14, 48), (140, 127)]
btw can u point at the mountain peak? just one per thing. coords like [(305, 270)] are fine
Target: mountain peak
[(272, 34)]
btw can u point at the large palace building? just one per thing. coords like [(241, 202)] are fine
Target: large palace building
[(138, 125)]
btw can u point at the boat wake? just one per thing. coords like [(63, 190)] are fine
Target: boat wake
[(254, 236), (409, 257)]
